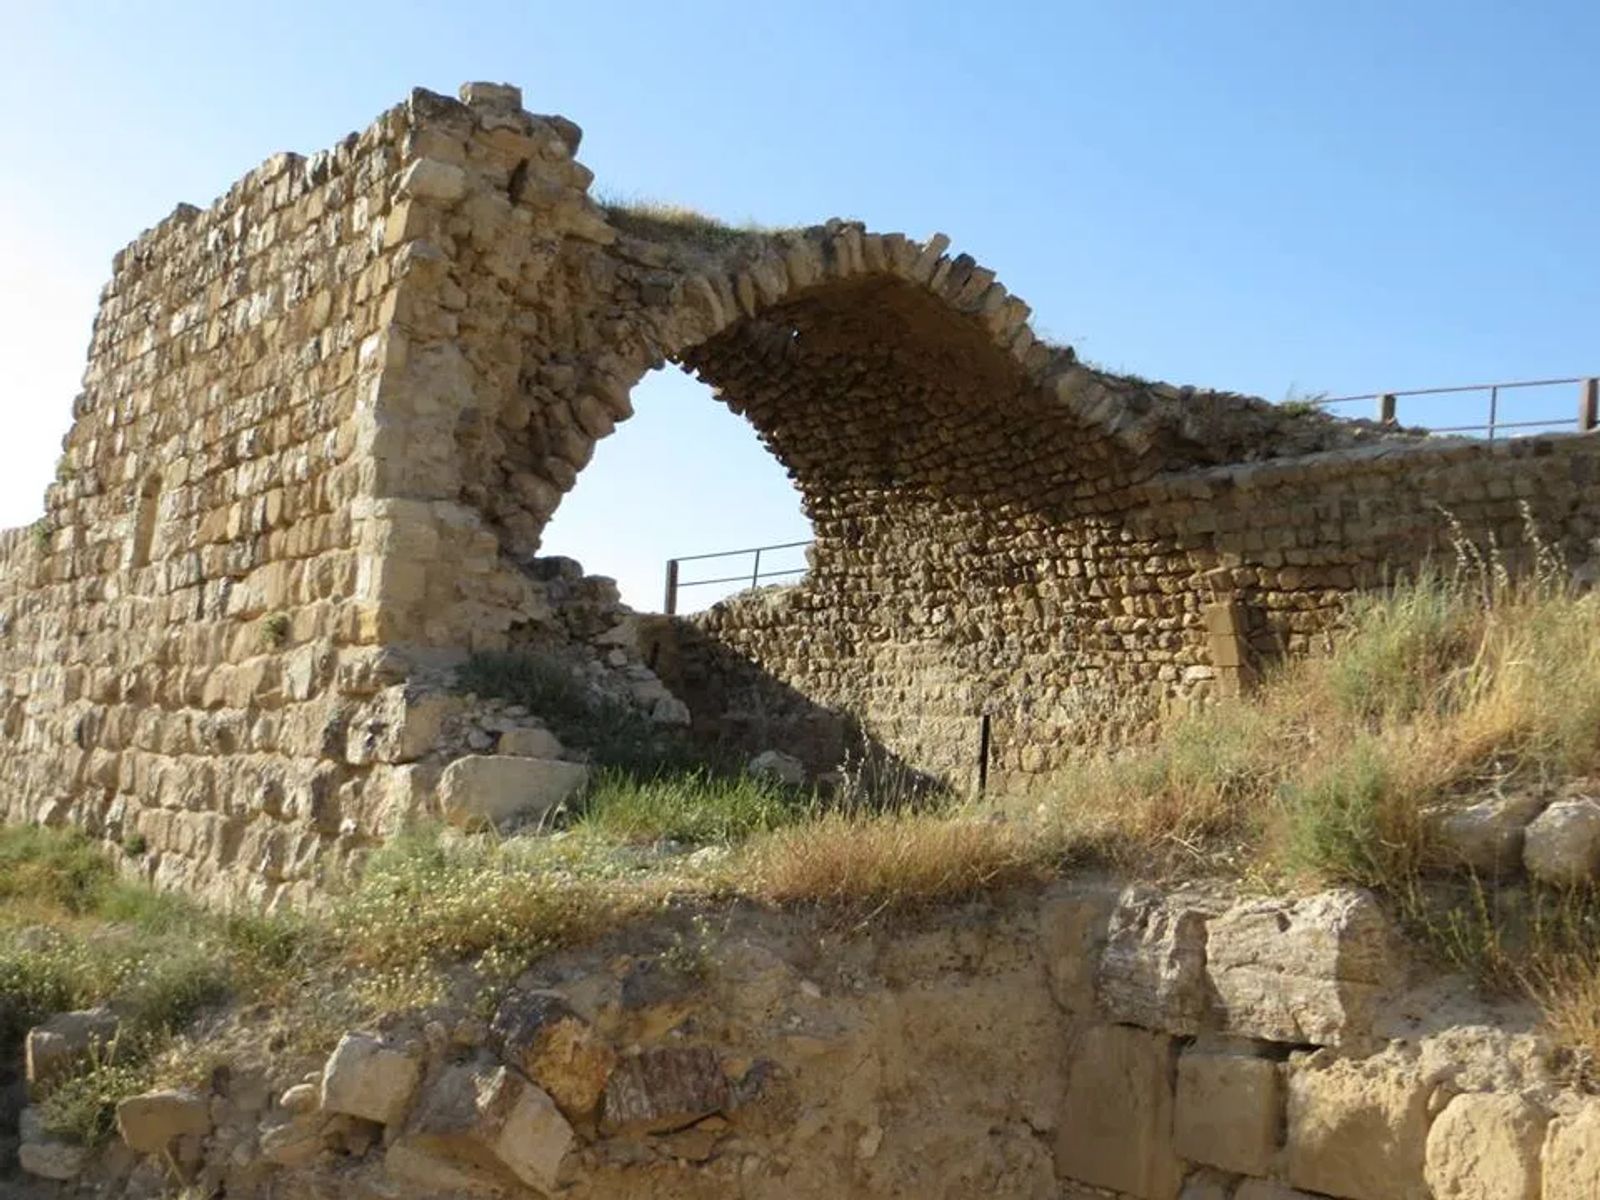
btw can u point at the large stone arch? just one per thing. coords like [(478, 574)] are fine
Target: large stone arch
[(968, 483), (326, 418)]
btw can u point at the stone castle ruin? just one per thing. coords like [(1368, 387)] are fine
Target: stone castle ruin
[(326, 420)]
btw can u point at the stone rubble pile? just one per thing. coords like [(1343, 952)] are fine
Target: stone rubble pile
[(1094, 1041)]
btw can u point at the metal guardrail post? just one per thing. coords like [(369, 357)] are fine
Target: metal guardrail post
[(983, 754), (1386, 408), (1588, 405), (671, 604)]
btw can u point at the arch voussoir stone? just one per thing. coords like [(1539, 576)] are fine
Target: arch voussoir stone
[(368, 377)]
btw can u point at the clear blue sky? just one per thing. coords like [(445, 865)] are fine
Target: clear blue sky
[(1260, 196)]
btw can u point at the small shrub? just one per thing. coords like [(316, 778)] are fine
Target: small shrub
[(83, 1106), (422, 900), (275, 630), (135, 845), (52, 866)]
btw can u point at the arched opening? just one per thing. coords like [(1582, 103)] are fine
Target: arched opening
[(146, 517), (683, 477)]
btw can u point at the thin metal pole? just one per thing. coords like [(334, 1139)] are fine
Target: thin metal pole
[(672, 587), (1494, 409), (983, 753), (1588, 405), (755, 572)]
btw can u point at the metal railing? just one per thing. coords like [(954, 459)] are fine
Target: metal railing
[(1386, 409), (754, 576), (1387, 406)]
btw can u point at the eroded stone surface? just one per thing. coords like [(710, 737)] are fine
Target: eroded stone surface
[(1116, 1121), (366, 1078), (1486, 1147), (1358, 1129), (1309, 971)]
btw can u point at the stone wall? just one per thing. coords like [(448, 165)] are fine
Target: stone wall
[(1088, 1042), (326, 420)]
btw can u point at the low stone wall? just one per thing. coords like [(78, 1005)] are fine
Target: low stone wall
[(1092, 1041)]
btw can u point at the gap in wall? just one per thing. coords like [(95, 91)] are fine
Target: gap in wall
[(684, 475)]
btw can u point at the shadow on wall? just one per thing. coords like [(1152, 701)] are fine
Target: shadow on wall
[(738, 709)]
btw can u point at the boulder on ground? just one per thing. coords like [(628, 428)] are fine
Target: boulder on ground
[(151, 1122), (539, 1033), (1486, 837), (46, 1155), (1561, 845), (470, 1115), (1572, 1154), (778, 767), (66, 1039), (481, 790), (664, 1089), (366, 1078)]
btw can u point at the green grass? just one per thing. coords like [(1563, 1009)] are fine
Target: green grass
[(74, 935), (694, 806)]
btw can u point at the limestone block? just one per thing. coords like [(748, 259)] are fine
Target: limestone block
[(368, 1079), (1152, 972), (480, 790), (1073, 921), (1228, 1110), (151, 1122), (664, 1089), (1562, 844), (46, 1154), (1357, 1129), (555, 1047), (428, 179), (778, 767), (1572, 1154), (471, 1111), (295, 1142), (1306, 971), (530, 743), (66, 1039), (1486, 837), (1485, 1147), (1116, 1121)]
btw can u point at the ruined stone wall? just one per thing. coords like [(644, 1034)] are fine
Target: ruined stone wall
[(326, 421), (181, 636), (1044, 628)]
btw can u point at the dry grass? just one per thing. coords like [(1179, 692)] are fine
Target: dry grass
[(657, 221), (893, 861)]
